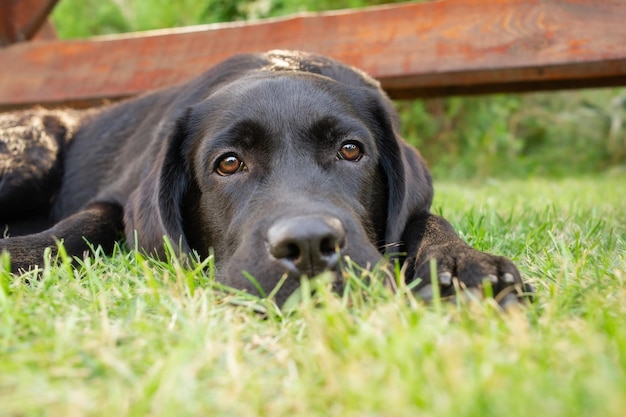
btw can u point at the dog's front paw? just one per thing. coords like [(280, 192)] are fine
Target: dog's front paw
[(466, 270)]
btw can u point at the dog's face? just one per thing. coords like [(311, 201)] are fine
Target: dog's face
[(285, 179), (282, 174)]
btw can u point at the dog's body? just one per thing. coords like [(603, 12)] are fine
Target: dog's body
[(281, 162)]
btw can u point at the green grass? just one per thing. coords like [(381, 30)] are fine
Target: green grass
[(128, 336)]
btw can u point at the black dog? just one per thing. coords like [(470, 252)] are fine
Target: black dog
[(281, 162)]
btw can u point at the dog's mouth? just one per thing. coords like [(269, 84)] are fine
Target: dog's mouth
[(278, 254), (288, 288)]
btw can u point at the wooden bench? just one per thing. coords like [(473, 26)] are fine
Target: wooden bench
[(439, 48)]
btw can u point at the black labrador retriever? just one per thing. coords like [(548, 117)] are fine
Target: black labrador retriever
[(283, 163)]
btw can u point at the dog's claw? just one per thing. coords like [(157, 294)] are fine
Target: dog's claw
[(426, 292), (509, 300), (475, 293), (508, 278), (445, 279)]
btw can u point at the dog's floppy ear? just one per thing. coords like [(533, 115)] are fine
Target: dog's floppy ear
[(154, 208), (409, 184)]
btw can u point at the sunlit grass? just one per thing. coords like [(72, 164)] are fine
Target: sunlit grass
[(130, 336)]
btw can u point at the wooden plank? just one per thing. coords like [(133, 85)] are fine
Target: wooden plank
[(21, 20), (47, 32), (416, 50)]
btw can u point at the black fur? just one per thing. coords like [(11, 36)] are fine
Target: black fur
[(149, 166)]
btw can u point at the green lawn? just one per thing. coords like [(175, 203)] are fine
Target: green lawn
[(125, 336)]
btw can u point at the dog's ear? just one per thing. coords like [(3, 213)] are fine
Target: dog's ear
[(153, 210), (409, 184)]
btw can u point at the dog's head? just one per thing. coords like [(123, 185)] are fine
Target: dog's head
[(283, 170)]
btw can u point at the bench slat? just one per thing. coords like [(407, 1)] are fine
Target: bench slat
[(22, 20), (438, 48)]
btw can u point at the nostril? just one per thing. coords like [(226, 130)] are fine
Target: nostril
[(292, 251), (286, 249), (328, 246)]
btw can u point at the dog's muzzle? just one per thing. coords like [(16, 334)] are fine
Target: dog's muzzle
[(307, 245)]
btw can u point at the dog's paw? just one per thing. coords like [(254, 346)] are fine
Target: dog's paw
[(464, 271)]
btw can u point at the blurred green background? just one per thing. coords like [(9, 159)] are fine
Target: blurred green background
[(554, 134)]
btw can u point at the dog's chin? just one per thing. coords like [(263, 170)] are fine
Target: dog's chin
[(281, 283), (277, 282)]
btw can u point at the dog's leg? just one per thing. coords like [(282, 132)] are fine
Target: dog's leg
[(100, 224), (431, 237)]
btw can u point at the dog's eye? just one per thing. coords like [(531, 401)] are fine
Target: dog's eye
[(229, 164), (350, 151)]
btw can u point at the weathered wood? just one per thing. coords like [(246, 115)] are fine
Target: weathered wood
[(21, 20), (47, 32), (416, 50)]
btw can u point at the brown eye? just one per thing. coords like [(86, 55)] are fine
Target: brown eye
[(350, 152), (229, 165)]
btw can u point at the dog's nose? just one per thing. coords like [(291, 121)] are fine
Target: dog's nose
[(307, 244)]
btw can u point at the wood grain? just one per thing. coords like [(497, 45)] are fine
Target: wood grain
[(438, 48), (21, 20)]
